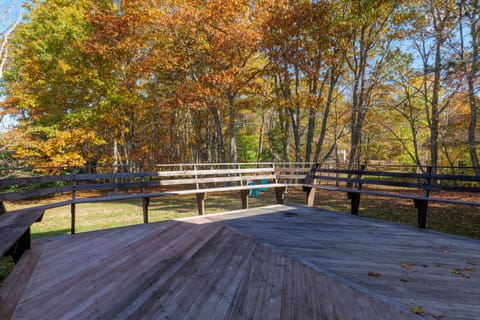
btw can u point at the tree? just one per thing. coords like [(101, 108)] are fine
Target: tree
[(49, 80), (302, 42), (468, 24), (433, 28), (371, 25)]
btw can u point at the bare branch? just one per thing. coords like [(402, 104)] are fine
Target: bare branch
[(10, 17)]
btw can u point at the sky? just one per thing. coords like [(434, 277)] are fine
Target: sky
[(7, 17)]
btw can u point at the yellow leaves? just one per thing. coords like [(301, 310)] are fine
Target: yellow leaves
[(464, 273), (60, 148), (417, 310)]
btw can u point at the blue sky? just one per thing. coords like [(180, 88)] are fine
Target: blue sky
[(6, 21)]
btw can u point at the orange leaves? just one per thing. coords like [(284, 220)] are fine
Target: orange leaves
[(374, 274), (406, 266)]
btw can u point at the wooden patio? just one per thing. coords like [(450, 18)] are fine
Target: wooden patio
[(276, 262)]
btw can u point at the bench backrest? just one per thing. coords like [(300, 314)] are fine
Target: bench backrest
[(292, 175), (399, 182), (196, 178)]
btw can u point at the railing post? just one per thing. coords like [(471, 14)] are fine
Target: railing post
[(72, 205), (145, 200), (201, 203), (145, 203), (280, 195), (196, 177), (422, 206), (244, 198)]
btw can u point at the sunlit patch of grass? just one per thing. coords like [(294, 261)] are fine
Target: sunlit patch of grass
[(105, 215)]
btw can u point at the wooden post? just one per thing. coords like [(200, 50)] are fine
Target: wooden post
[(309, 179), (310, 192), (201, 203), (280, 194), (355, 202), (422, 206), (2, 208), (72, 205), (244, 198), (145, 203)]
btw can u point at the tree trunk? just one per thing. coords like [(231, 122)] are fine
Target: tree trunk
[(232, 129), (312, 118), (218, 134), (326, 113), (260, 136), (473, 13)]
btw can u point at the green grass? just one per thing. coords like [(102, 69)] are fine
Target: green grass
[(105, 215)]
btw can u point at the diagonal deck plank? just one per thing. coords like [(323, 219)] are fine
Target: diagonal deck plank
[(351, 247), (277, 262)]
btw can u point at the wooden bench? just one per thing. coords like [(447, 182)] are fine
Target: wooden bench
[(202, 179), (198, 179), (413, 186)]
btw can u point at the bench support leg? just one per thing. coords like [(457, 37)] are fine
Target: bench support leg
[(72, 223), (145, 204), (355, 202), (244, 198), (201, 203), (422, 206), (280, 195), (310, 192), (22, 244)]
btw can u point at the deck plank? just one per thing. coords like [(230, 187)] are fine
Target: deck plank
[(276, 262), (351, 247)]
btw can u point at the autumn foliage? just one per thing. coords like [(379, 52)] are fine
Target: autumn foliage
[(150, 81)]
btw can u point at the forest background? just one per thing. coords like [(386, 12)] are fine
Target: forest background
[(155, 81)]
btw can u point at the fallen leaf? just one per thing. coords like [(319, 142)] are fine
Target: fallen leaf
[(406, 266), (469, 270), (404, 280), (455, 271), (417, 310), (374, 274), (466, 276)]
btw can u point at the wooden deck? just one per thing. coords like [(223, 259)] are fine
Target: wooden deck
[(277, 262)]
